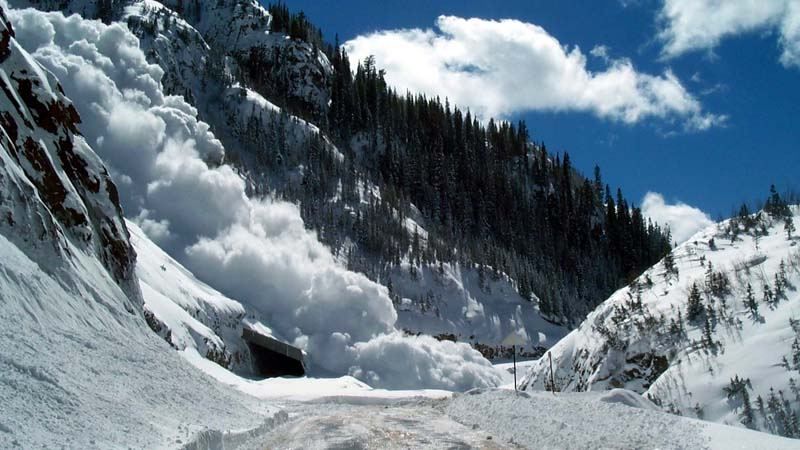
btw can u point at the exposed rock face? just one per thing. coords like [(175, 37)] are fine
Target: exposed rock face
[(197, 42), (53, 187)]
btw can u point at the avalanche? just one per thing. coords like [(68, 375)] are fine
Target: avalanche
[(204, 62), (257, 251)]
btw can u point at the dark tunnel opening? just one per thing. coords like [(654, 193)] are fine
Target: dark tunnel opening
[(273, 358), (270, 364)]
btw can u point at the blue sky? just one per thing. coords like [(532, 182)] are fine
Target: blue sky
[(736, 72)]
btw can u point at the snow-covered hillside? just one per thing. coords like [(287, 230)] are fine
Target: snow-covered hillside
[(75, 351), (257, 251), (186, 312), (461, 303), (200, 59), (710, 332)]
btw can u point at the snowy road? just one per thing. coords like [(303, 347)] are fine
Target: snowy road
[(499, 419), (344, 413), (419, 425)]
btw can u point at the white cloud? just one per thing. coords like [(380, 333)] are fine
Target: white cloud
[(689, 25), (600, 51), (497, 68), (683, 220), (167, 165)]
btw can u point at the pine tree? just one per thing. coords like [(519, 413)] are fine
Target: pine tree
[(780, 288), (761, 408), (105, 10), (769, 298), (694, 306), (708, 334), (775, 410), (781, 278), (698, 411), (775, 206), (710, 277), (794, 424), (750, 301), (788, 226), (794, 389), (670, 269), (747, 416)]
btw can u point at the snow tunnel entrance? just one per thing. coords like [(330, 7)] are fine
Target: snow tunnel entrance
[(273, 358)]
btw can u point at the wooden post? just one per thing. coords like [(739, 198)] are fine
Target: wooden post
[(552, 379), (514, 351)]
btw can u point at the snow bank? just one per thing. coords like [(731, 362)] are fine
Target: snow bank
[(542, 420), (168, 167), (79, 370), (628, 398)]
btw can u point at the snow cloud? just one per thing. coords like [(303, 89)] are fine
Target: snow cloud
[(683, 220), (168, 166), (689, 25), (497, 68)]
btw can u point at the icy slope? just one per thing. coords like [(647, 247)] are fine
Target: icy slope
[(78, 365), (740, 324), (80, 370)]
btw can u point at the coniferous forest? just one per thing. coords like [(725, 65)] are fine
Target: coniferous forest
[(564, 238)]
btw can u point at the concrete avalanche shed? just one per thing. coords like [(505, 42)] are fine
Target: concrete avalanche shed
[(273, 358)]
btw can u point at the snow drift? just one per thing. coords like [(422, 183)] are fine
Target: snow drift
[(173, 184)]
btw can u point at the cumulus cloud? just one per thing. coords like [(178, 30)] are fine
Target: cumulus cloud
[(689, 25), (683, 220), (497, 68), (168, 166)]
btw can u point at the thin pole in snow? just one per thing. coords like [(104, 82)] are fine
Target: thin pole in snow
[(552, 380), (514, 351)]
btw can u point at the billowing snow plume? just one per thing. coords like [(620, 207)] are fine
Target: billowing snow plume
[(168, 167)]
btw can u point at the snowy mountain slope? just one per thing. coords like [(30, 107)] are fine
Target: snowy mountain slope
[(79, 370), (52, 182), (78, 365), (460, 303), (184, 35), (187, 312), (198, 65), (257, 250), (706, 339)]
